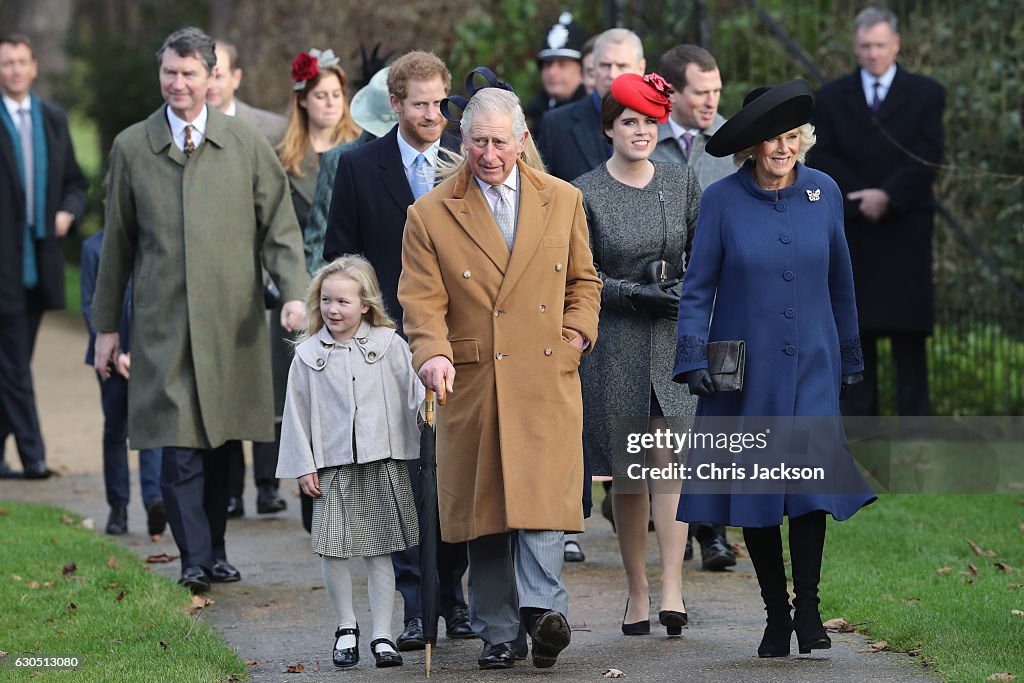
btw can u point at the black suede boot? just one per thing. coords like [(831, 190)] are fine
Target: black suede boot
[(765, 548), (806, 545)]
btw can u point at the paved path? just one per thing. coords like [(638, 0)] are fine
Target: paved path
[(279, 614)]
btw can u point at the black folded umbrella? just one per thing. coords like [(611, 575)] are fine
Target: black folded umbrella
[(430, 530)]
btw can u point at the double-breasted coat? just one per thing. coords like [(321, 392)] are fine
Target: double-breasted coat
[(891, 150), (193, 233), (773, 269), (509, 440)]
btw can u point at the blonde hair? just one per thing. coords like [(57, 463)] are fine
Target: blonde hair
[(807, 140), (295, 143), (359, 270)]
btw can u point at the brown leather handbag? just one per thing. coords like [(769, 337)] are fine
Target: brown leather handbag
[(726, 362)]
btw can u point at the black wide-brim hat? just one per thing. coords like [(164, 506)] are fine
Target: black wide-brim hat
[(767, 112)]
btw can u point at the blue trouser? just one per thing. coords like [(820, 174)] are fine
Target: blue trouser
[(195, 487), (114, 397), (452, 561)]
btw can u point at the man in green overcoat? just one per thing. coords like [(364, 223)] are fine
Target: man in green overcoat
[(197, 204)]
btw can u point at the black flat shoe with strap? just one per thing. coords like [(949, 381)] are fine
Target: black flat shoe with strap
[(385, 658), (346, 657)]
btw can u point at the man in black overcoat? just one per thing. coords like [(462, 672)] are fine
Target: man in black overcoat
[(880, 137), (373, 188), (42, 192)]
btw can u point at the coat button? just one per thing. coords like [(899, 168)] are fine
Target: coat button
[(547, 352), (788, 275), (320, 362), (362, 340), (790, 312), (785, 238), (558, 267), (466, 274), (497, 314), (790, 349), (781, 206), (499, 356), (371, 355), (543, 308)]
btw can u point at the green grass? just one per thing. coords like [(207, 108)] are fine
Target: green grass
[(880, 570), (144, 636)]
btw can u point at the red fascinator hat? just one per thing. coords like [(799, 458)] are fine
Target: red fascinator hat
[(645, 94)]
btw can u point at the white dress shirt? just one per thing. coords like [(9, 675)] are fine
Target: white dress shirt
[(512, 183), (868, 83), (178, 128), (409, 154)]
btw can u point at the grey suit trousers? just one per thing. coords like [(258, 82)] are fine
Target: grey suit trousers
[(504, 577)]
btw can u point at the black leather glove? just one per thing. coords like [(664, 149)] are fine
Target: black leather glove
[(700, 382), (852, 378), (656, 301)]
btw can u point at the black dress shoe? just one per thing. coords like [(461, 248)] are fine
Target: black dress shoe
[(673, 621), (223, 572), (412, 636), (457, 624), (7, 473), (551, 635), (810, 633), (267, 500), (156, 517), (573, 552), (195, 579), (497, 656), (717, 555), (386, 658), (236, 508), (117, 522), (38, 471), (688, 553), (777, 634), (346, 657)]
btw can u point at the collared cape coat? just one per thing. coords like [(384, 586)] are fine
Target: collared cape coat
[(193, 233), (509, 439)]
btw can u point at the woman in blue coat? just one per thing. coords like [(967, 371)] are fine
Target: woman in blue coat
[(770, 266)]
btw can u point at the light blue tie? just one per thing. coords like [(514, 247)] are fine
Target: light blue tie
[(419, 182), (29, 163)]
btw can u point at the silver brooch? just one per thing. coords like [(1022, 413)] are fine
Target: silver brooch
[(813, 195)]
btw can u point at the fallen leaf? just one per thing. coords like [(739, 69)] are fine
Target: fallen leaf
[(1015, 585), (253, 662), (889, 596), (87, 523), (198, 604), (112, 562), (119, 597), (944, 570), (913, 653), (71, 607), (114, 584), (15, 577), (875, 647), (64, 519), (1001, 677), (2, 654), (613, 673), (164, 645), (33, 584), (1017, 612), (49, 584), (4, 512), (294, 669), (161, 558), (70, 568), (1005, 567), (972, 569), (910, 601), (978, 550), (835, 624), (1021, 526)]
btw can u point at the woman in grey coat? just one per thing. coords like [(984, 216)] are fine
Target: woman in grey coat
[(641, 215)]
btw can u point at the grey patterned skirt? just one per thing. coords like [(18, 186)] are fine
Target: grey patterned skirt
[(364, 510)]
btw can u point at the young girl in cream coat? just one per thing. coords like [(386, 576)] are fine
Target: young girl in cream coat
[(349, 419)]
